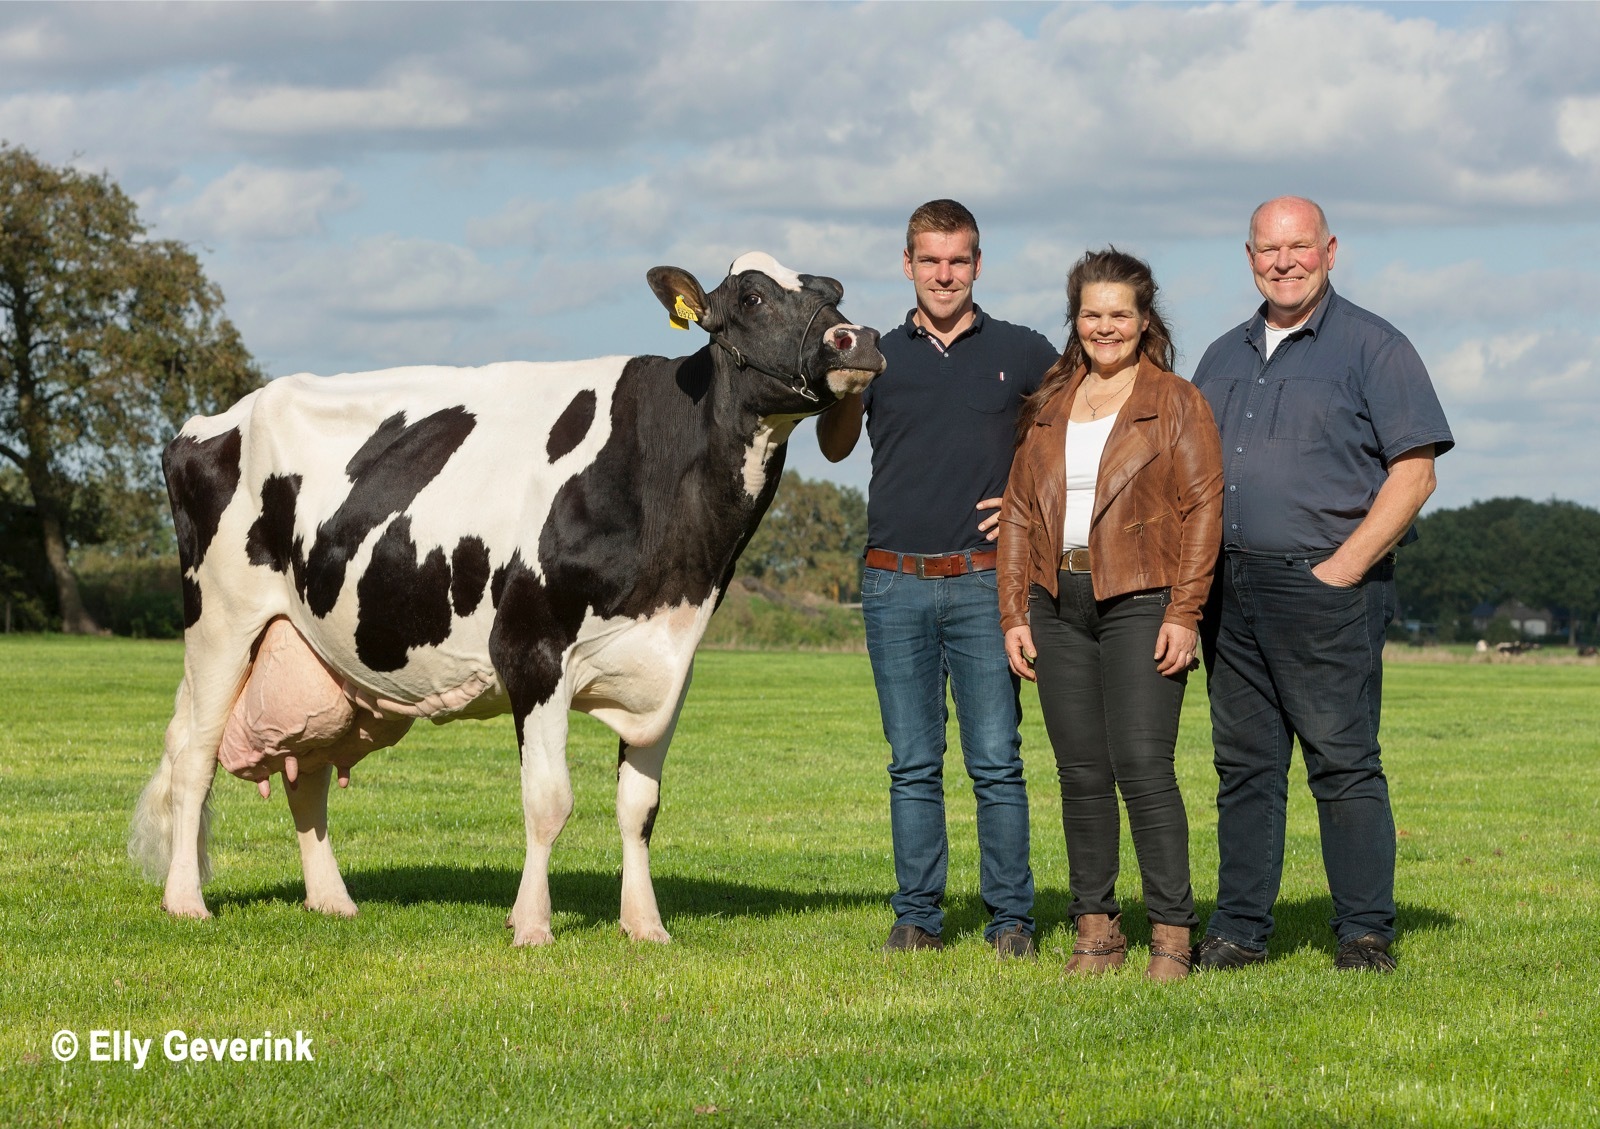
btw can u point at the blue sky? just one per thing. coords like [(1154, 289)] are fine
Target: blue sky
[(377, 184)]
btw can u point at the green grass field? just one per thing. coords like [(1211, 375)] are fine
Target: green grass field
[(772, 865)]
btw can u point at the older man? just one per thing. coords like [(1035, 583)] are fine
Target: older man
[(1330, 427), (941, 420)]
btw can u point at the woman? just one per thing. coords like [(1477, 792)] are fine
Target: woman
[(1108, 535)]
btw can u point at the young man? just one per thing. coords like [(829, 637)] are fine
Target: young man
[(940, 419), (1329, 429)]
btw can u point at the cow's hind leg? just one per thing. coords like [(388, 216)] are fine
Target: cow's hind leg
[(638, 802), (214, 669), (546, 804), (308, 803)]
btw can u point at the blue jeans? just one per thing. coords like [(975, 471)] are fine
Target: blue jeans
[(919, 634), (1288, 656)]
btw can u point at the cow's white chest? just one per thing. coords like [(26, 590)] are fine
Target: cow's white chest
[(772, 433), (629, 672)]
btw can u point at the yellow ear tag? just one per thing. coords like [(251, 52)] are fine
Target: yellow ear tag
[(681, 314)]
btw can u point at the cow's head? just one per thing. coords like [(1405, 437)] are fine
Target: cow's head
[(784, 327)]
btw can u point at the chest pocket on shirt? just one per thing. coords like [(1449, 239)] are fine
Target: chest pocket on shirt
[(988, 393), (1300, 410)]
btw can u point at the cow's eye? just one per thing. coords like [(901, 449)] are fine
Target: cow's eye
[(751, 301)]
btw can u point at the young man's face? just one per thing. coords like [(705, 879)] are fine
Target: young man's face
[(943, 266)]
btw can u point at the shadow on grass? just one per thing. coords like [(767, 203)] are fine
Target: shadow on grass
[(592, 895)]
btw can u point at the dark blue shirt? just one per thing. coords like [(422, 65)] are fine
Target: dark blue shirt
[(942, 424), (1308, 435)]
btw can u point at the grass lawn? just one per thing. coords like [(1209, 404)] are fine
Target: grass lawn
[(773, 870)]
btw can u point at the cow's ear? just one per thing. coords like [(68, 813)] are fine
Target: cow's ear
[(831, 287), (680, 293)]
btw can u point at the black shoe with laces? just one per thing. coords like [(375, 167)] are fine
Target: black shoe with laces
[(1213, 954), (1366, 953)]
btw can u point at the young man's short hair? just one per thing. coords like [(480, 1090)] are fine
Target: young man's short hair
[(943, 216)]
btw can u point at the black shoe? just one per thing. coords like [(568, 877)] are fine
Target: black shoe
[(1012, 943), (1366, 953), (1213, 954), (905, 938)]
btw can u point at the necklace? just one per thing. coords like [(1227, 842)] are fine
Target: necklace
[(1095, 411)]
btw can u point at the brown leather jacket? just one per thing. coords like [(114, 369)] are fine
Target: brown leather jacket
[(1157, 506)]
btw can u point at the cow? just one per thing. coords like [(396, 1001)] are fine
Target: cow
[(361, 551)]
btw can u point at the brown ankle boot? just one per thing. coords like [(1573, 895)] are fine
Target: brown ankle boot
[(1169, 952), (1101, 945)]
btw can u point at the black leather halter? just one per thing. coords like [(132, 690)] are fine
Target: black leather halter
[(797, 380)]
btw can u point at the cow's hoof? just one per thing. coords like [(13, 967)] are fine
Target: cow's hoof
[(333, 907), (656, 933), (195, 910), (529, 937)]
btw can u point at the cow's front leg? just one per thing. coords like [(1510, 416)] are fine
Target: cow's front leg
[(638, 802), (308, 803), (546, 804)]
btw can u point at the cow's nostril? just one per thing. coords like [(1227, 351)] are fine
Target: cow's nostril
[(843, 341)]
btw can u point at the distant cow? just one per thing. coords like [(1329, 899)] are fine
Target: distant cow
[(364, 550)]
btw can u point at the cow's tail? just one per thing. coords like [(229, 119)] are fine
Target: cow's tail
[(150, 838)]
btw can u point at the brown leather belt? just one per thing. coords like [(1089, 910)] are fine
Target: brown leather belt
[(1075, 560), (948, 564)]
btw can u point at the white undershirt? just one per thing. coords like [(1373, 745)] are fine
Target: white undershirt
[(1086, 442), (1275, 337)]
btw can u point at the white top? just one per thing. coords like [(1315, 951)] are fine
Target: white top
[(1086, 442), (1276, 337)]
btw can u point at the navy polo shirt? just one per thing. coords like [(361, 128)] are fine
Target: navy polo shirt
[(942, 424), (1308, 434)]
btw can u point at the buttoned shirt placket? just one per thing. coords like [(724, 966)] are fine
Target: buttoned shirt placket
[(1255, 400)]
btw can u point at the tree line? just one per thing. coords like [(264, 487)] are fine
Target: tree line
[(1544, 554)]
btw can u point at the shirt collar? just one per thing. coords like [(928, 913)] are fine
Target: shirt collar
[(912, 329), (1256, 330)]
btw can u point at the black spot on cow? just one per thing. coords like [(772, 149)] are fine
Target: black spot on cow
[(202, 475), (377, 443), (271, 538), (401, 604), (573, 425), (650, 820), (497, 584), (191, 601), (533, 627), (386, 475), (469, 567)]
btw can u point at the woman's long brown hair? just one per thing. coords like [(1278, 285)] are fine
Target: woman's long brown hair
[(1110, 265)]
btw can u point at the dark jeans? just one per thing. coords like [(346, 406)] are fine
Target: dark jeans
[(919, 634), (1289, 656), (1113, 721)]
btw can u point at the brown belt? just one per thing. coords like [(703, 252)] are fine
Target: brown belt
[(1075, 560), (948, 564)]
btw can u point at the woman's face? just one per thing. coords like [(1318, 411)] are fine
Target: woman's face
[(1110, 326)]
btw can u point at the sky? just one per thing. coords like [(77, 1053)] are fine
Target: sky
[(384, 184)]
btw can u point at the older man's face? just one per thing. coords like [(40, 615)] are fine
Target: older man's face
[(1290, 258)]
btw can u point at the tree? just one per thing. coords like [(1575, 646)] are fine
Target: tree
[(109, 340), (811, 539)]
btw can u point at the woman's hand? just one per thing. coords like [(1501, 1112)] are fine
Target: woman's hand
[(1020, 652), (1174, 649)]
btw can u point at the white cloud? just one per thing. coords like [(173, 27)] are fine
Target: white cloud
[(1578, 126), (252, 202), (409, 100), (390, 278)]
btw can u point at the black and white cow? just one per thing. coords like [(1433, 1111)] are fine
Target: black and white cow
[(364, 550)]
